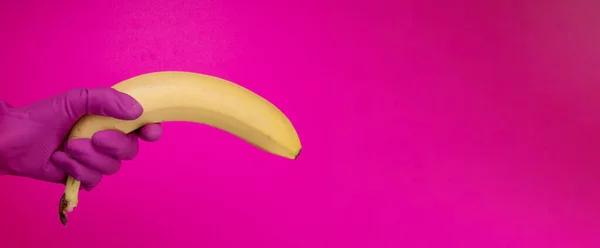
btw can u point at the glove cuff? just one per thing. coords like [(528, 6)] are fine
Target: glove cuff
[(4, 106)]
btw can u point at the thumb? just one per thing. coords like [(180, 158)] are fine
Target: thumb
[(99, 101)]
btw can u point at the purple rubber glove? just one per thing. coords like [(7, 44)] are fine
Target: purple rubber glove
[(32, 138)]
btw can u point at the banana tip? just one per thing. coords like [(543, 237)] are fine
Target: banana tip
[(298, 154), (62, 210)]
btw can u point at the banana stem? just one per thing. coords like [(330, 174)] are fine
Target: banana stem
[(69, 199)]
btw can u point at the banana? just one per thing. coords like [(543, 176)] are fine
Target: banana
[(192, 97)]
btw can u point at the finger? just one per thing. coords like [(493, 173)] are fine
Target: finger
[(150, 132), (100, 101), (52, 173), (89, 178), (83, 151), (116, 144)]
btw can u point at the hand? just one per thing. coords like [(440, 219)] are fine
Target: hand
[(32, 138)]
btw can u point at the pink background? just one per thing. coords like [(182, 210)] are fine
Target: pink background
[(424, 124)]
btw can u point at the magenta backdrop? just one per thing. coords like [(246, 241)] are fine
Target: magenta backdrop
[(471, 124)]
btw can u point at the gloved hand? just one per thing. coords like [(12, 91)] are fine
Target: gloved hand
[(32, 138)]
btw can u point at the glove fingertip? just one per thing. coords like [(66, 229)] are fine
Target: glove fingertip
[(151, 132), (106, 137), (73, 168), (113, 103), (116, 144), (76, 146), (65, 163), (61, 159), (87, 187)]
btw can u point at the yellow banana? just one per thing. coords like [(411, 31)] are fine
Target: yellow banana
[(193, 97)]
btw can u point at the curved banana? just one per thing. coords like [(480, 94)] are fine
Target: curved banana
[(192, 97)]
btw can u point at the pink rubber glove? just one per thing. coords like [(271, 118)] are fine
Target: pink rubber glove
[(32, 138)]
